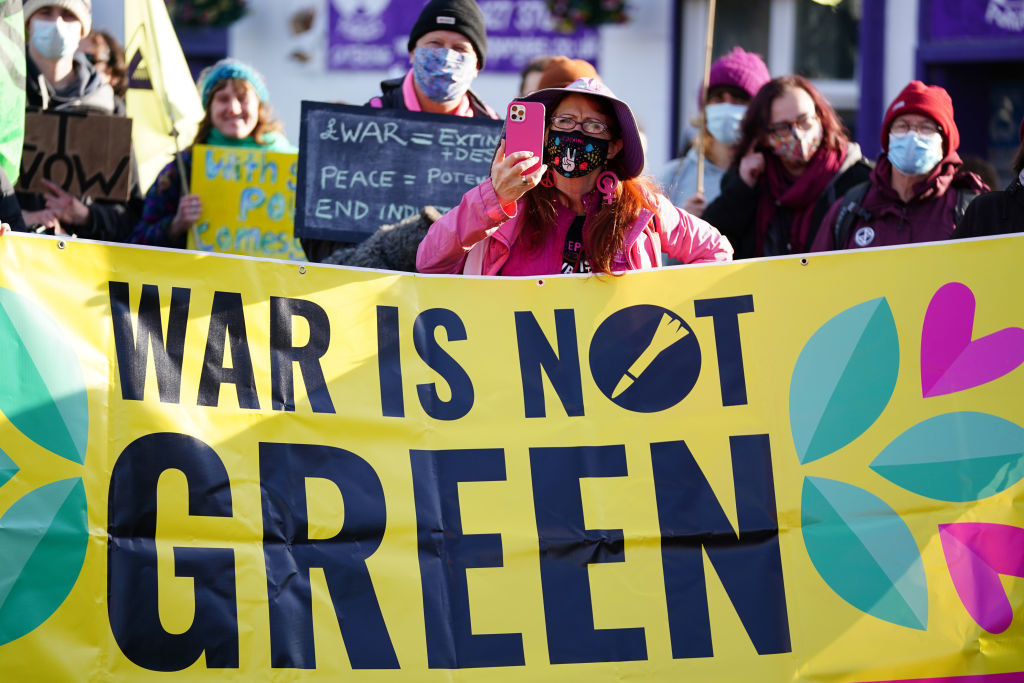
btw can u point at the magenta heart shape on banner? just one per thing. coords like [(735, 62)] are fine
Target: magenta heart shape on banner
[(950, 360), (976, 554)]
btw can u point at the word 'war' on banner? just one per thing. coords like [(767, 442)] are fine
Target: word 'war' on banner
[(361, 167)]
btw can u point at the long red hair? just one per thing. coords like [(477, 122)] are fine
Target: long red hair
[(606, 230)]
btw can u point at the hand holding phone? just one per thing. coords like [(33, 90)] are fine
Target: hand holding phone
[(524, 131)]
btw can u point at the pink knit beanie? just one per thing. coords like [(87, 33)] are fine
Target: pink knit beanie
[(740, 69)]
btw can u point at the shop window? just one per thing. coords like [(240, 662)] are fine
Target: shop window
[(827, 39), (742, 23)]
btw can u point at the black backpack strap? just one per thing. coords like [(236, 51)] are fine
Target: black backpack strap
[(851, 209), (963, 198)]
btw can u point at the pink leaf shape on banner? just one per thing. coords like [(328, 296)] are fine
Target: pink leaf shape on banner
[(976, 554), (950, 360)]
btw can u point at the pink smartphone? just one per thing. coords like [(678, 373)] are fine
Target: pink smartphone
[(524, 130)]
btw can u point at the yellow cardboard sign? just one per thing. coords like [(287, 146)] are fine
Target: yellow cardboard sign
[(784, 470), (248, 197)]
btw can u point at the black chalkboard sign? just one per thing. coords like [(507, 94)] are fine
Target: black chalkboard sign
[(360, 168)]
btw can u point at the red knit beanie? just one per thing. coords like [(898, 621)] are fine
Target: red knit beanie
[(926, 100)]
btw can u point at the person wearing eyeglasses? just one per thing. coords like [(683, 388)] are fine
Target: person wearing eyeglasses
[(584, 209), (917, 191), (792, 161)]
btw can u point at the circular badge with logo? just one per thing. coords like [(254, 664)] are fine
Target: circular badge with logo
[(645, 358), (864, 237)]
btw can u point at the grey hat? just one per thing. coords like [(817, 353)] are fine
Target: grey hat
[(81, 9)]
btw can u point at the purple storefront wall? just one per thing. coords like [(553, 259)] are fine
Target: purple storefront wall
[(872, 77), (961, 47), (373, 36), (975, 50)]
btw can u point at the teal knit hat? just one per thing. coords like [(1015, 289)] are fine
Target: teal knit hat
[(227, 69)]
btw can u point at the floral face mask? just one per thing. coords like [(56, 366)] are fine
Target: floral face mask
[(442, 74), (798, 146)]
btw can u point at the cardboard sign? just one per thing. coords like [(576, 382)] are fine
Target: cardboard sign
[(248, 202), (89, 155), (360, 168)]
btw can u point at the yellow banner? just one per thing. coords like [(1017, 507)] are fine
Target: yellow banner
[(786, 470), (248, 200)]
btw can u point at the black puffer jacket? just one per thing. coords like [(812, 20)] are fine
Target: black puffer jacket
[(10, 210), (994, 213), (392, 97), (392, 247)]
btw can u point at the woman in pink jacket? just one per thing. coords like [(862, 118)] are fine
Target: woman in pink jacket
[(584, 210)]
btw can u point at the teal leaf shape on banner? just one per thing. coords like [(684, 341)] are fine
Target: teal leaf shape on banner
[(956, 457), (8, 468), (843, 379), (864, 552), (42, 392), (43, 536)]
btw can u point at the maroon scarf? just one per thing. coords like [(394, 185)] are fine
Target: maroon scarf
[(798, 194)]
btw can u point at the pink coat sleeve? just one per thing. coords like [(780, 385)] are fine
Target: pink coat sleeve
[(689, 239), (451, 237)]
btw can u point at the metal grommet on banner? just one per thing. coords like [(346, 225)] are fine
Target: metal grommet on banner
[(302, 270), (803, 261), (61, 244), (540, 283)]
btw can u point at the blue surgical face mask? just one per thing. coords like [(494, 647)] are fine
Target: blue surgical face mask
[(914, 154), (55, 39), (723, 121), (442, 74)]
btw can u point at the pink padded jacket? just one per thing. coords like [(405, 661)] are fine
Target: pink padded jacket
[(480, 222)]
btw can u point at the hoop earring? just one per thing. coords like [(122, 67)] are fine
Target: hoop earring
[(547, 180), (608, 183)]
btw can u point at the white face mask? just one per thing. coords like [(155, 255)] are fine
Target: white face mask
[(723, 121), (55, 39)]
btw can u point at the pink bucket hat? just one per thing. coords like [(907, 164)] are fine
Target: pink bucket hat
[(632, 150)]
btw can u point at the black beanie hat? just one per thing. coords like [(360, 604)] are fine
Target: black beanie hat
[(461, 16)]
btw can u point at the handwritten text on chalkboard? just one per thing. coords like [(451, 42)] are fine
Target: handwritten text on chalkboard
[(361, 168)]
